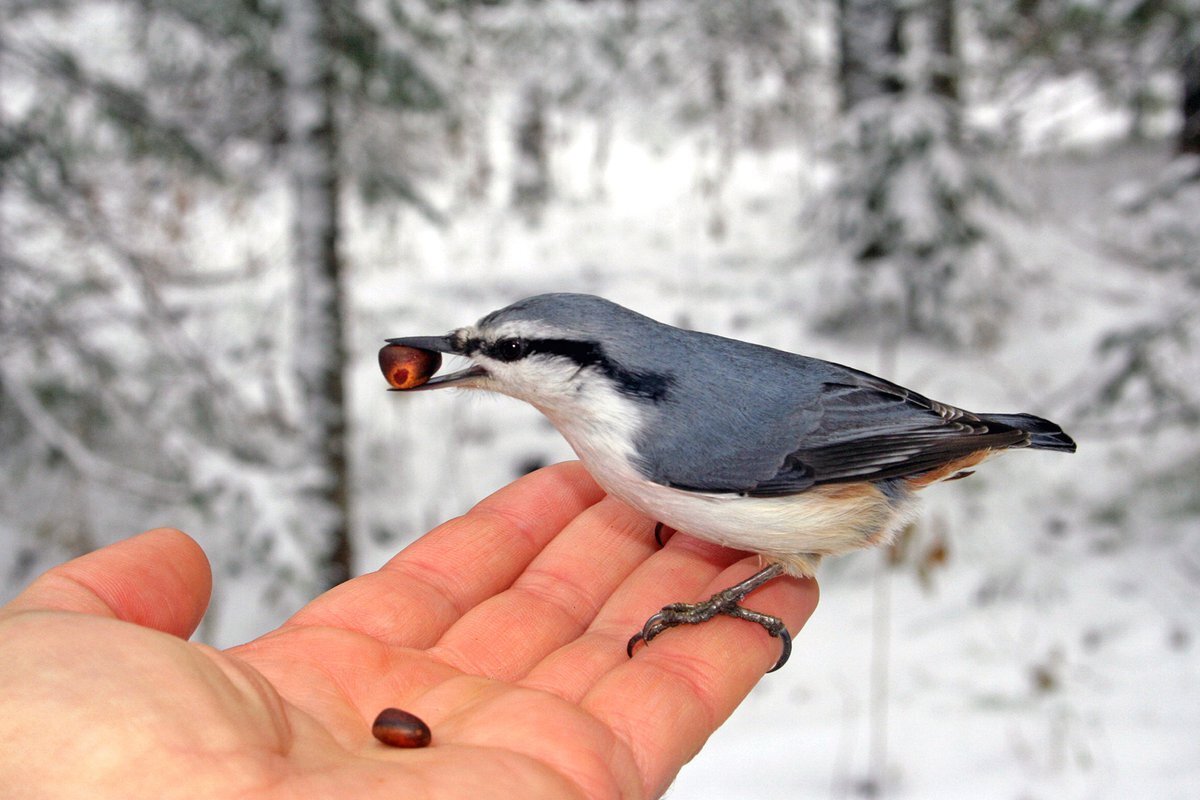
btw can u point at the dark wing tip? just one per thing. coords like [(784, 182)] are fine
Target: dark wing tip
[(1043, 434)]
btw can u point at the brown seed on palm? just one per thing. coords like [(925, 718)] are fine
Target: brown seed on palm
[(398, 728)]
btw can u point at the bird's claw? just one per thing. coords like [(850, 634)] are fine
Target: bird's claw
[(654, 626), (725, 602), (785, 639), (785, 652)]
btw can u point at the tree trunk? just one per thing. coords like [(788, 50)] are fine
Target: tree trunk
[(1189, 132), (320, 351), (944, 80), (468, 133), (869, 45), (531, 175), (870, 36)]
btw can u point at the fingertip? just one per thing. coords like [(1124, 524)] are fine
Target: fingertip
[(167, 534), (181, 545), (159, 579), (183, 555), (176, 582)]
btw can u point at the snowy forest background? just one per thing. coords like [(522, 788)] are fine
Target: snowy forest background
[(212, 214)]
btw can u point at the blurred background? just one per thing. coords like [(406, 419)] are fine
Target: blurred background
[(213, 212)]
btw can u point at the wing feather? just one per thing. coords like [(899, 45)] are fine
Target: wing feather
[(875, 430)]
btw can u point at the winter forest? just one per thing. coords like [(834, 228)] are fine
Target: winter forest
[(213, 213)]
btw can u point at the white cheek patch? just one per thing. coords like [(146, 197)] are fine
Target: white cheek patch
[(544, 381)]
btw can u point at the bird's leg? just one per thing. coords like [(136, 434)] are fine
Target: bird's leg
[(723, 602), (658, 531)]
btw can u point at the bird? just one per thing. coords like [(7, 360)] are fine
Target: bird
[(788, 456)]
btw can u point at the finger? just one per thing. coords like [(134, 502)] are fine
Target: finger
[(679, 571), (159, 579), (420, 593), (668, 699), (555, 598)]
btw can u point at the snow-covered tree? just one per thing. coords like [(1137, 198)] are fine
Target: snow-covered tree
[(147, 365), (911, 209), (90, 322), (718, 75), (1134, 53), (1141, 379)]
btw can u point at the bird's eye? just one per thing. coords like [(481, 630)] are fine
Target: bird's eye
[(508, 349)]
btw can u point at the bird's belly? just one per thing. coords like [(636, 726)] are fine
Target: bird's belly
[(795, 530)]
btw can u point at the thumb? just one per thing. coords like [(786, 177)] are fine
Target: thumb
[(159, 579)]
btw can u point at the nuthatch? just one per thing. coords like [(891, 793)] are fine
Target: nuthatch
[(754, 448)]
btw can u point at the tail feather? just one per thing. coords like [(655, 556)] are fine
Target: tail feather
[(1043, 434)]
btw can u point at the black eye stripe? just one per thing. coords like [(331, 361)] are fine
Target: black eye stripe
[(514, 348), (647, 385), (585, 354)]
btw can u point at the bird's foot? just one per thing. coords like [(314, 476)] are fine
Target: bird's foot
[(723, 602)]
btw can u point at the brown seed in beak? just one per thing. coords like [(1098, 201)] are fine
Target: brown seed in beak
[(408, 367)]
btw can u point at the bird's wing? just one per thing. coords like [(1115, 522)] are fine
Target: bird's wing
[(872, 429), (861, 428)]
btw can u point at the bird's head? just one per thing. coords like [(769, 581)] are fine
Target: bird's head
[(559, 352)]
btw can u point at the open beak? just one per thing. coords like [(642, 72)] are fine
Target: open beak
[(440, 344)]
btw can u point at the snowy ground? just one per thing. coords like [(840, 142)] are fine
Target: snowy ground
[(1051, 654)]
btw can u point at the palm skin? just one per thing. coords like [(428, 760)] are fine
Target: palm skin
[(504, 629)]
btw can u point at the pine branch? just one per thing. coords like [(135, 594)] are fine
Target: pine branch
[(79, 455)]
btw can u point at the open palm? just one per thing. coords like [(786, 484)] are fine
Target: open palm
[(504, 629)]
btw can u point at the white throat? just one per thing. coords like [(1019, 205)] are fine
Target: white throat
[(601, 426)]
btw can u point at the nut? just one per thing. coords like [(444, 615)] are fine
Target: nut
[(398, 728), (408, 367)]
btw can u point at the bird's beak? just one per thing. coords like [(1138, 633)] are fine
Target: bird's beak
[(441, 344)]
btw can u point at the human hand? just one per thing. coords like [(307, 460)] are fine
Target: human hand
[(504, 629)]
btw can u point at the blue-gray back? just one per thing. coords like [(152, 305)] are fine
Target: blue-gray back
[(724, 415)]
